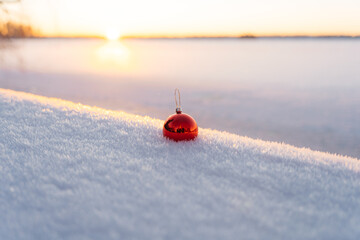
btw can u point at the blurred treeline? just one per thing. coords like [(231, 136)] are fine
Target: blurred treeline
[(11, 27), (15, 30)]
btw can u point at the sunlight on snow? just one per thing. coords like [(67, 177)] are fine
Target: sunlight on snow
[(113, 53)]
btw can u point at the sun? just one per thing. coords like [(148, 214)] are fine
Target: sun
[(112, 34)]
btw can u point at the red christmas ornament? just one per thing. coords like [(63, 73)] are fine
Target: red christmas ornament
[(180, 126)]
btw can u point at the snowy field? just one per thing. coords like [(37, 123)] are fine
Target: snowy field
[(302, 92), (70, 171), (305, 92)]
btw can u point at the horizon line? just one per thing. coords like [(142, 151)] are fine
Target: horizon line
[(244, 36)]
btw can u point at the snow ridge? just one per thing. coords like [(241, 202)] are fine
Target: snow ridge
[(69, 171)]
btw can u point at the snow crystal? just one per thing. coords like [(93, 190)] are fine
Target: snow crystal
[(69, 171)]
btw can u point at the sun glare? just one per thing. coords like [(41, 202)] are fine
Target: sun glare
[(113, 53), (112, 34)]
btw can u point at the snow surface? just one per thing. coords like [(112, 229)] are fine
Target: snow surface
[(302, 92), (69, 171)]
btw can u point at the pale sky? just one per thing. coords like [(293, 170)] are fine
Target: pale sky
[(193, 17)]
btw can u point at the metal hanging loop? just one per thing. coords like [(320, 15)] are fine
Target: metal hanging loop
[(178, 104)]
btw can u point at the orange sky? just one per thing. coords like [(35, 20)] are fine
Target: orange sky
[(192, 17)]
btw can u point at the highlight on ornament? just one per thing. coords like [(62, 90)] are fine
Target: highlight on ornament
[(180, 126)]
